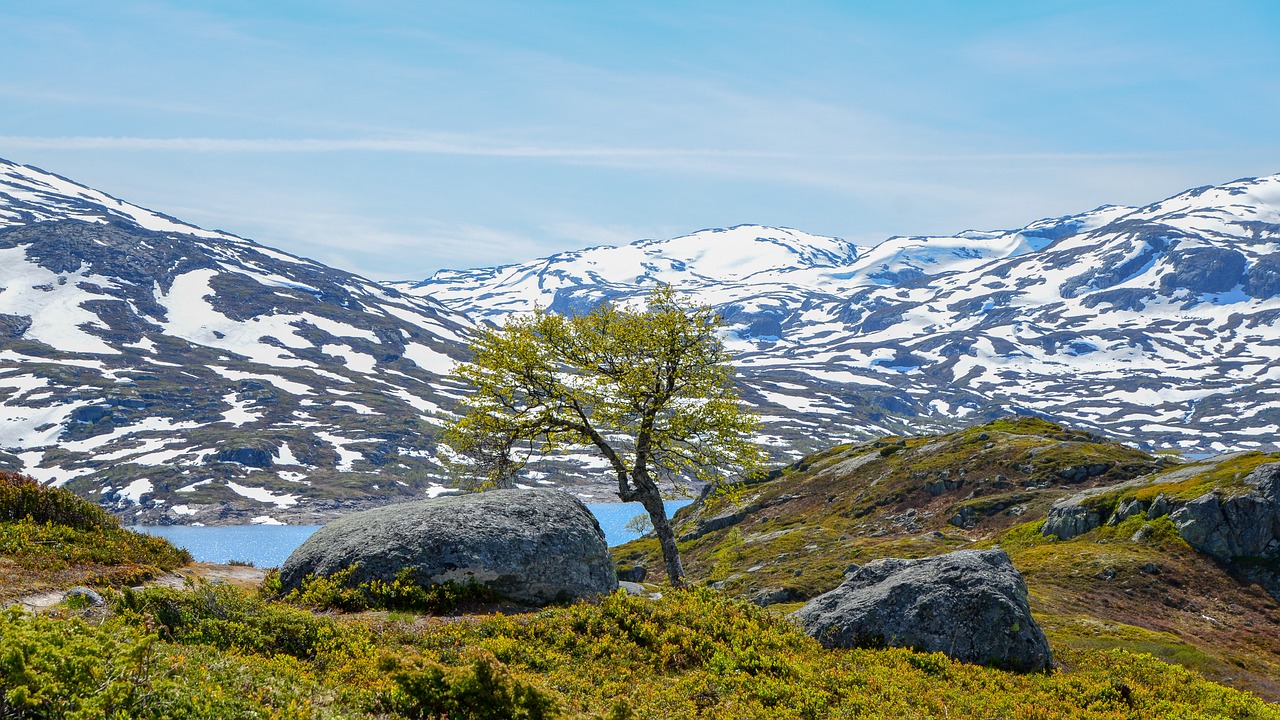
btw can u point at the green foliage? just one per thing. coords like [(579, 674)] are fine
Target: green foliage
[(66, 668), (640, 524), (337, 591), (224, 617), (50, 547), (51, 537), (659, 377), (482, 692), (23, 498), (651, 390), (219, 652)]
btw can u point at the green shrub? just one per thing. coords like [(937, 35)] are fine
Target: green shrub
[(222, 616), (67, 668), (22, 497), (338, 592), (482, 692)]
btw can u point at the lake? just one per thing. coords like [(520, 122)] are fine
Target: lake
[(269, 545)]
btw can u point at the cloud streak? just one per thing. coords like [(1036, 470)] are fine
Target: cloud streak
[(479, 148), (321, 145)]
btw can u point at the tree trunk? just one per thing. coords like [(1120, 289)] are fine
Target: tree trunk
[(651, 499)]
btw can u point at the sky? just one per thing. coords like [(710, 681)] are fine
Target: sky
[(400, 137)]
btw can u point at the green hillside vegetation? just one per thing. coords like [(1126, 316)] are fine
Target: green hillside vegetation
[(50, 539), (790, 537), (215, 651), (218, 651)]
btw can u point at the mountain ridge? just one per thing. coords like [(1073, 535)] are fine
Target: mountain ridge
[(1168, 303)]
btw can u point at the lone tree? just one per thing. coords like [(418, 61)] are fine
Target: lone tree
[(651, 390)]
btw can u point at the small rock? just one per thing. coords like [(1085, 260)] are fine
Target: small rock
[(1159, 507), (635, 589), (765, 597), (1143, 533), (635, 574), (90, 596), (1126, 510)]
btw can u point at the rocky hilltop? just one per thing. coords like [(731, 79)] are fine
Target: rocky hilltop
[(1152, 567)]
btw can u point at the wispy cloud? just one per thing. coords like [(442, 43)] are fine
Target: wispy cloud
[(481, 148), (322, 145)]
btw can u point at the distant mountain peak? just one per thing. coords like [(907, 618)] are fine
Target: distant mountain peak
[(1155, 323)]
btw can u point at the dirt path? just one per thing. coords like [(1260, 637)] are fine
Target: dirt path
[(238, 575)]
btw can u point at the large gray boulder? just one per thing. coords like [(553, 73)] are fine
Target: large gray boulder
[(533, 546), (971, 605)]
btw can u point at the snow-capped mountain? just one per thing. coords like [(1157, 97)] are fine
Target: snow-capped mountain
[(177, 374), (1153, 324), (189, 375)]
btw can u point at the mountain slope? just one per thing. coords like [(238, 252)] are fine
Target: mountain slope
[(1151, 324), (178, 374)]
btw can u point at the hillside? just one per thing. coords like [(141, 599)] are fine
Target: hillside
[(178, 374), (216, 650), (51, 540), (790, 536)]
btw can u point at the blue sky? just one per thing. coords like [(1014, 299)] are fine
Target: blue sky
[(396, 138)]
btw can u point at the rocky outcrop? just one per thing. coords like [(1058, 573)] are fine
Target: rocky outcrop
[(1225, 523), (1125, 510), (1263, 278), (1073, 515), (1242, 525), (247, 456), (971, 605), (533, 546)]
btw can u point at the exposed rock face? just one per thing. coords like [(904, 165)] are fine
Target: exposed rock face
[(1245, 525), (1126, 510), (1204, 269), (1263, 279), (971, 605), (1225, 525), (1070, 517), (250, 456), (534, 546)]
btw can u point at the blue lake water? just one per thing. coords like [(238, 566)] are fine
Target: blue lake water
[(269, 545)]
